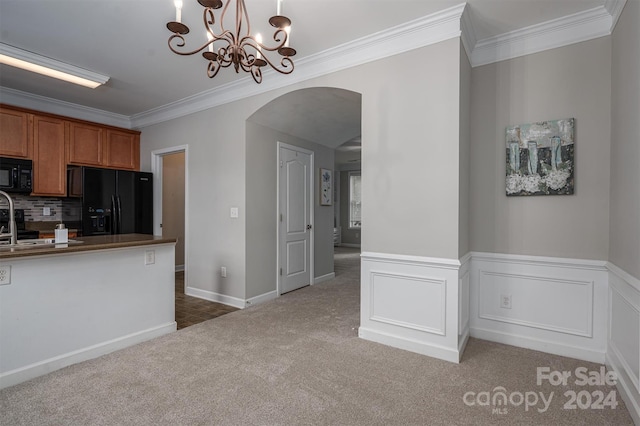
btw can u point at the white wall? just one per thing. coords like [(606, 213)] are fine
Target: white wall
[(62, 309), (572, 81)]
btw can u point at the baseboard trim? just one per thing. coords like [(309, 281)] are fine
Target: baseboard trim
[(627, 390), (262, 298), (32, 371), (538, 345), (349, 245), (411, 345), (323, 278), (215, 297)]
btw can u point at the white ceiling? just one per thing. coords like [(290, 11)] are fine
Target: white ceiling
[(127, 40)]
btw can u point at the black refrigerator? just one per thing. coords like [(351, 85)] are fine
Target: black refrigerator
[(113, 201)]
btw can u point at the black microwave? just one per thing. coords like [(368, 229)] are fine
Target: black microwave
[(16, 175)]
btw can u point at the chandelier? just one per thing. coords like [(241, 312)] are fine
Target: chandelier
[(239, 48)]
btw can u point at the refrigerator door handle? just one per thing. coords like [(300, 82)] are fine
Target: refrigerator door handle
[(119, 214), (114, 214)]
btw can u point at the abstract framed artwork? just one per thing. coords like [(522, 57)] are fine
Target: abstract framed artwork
[(540, 158), (326, 187)]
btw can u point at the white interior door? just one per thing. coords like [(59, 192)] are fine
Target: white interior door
[(295, 205)]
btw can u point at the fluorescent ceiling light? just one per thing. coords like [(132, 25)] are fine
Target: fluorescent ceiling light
[(50, 67)]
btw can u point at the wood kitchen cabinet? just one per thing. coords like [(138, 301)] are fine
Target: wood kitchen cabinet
[(53, 141), (122, 150), (49, 162), (15, 137), (86, 144), (102, 146)]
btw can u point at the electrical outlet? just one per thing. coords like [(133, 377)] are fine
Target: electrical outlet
[(46, 211), (505, 301), (223, 271), (149, 257), (5, 274)]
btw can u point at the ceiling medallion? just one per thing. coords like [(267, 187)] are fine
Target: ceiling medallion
[(239, 48)]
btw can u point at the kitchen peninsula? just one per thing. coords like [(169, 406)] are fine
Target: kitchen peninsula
[(64, 304)]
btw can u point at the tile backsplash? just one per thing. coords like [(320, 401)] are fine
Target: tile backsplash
[(62, 209)]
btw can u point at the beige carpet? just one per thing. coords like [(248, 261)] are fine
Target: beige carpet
[(298, 361)]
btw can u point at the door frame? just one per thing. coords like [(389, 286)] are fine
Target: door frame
[(279, 242), (156, 169)]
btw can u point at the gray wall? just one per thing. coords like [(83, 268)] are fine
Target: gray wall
[(261, 201), (215, 170), (465, 147), (624, 246), (573, 81), (410, 158), (410, 154)]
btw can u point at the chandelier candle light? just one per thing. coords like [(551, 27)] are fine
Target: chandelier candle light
[(239, 48)]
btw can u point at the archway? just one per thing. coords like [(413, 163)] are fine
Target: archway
[(319, 120)]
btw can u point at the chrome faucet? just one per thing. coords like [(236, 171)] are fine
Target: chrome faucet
[(13, 230)]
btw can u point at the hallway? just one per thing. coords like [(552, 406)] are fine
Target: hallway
[(193, 310)]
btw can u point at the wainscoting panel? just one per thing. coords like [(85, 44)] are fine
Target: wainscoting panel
[(400, 300), (552, 305), (463, 319), (411, 303), (537, 301), (623, 352)]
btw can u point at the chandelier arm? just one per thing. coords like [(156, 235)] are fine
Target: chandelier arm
[(256, 73), (213, 68), (240, 48), (181, 43), (241, 15), (286, 62)]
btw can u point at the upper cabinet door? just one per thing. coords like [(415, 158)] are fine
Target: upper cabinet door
[(122, 150), (86, 145), (49, 167), (15, 140)]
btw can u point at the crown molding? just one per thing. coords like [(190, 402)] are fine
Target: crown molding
[(575, 28), (614, 7), (468, 33), (421, 32), (444, 25), (54, 106)]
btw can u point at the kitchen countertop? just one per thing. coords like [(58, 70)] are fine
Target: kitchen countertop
[(101, 242)]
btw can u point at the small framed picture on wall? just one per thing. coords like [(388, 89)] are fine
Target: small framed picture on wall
[(326, 187)]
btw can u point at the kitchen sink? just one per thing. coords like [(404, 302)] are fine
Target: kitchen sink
[(45, 242)]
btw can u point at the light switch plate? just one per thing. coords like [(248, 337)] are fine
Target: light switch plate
[(234, 212)]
